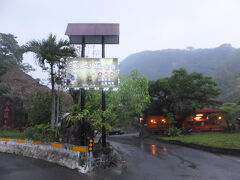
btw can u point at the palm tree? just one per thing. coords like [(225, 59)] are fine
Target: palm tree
[(50, 51)]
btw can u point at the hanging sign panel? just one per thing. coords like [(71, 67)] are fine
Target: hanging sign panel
[(92, 72)]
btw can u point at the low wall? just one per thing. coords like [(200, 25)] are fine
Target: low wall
[(71, 157)]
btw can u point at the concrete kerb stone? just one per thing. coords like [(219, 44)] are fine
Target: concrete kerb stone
[(219, 150), (61, 155)]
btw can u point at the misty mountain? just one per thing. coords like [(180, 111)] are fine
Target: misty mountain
[(221, 63)]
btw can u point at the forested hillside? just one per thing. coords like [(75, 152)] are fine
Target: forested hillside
[(221, 63)]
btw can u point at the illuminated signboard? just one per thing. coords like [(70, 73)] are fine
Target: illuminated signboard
[(92, 72)]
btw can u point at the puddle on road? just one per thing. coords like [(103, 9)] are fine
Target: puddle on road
[(160, 152)]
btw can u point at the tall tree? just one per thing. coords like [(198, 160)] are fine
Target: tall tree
[(50, 51), (132, 97), (11, 56), (182, 93)]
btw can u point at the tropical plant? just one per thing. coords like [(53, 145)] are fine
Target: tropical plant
[(50, 51)]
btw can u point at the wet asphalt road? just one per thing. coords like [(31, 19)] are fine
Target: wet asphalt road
[(141, 160), (14, 167), (152, 160)]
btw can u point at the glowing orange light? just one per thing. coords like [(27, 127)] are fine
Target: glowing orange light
[(153, 121), (199, 115), (197, 118), (163, 120), (219, 117)]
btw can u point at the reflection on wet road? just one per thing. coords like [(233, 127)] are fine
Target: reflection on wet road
[(157, 150), (150, 160), (154, 149)]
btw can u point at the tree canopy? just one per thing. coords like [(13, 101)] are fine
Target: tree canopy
[(10, 52), (131, 98), (231, 113), (182, 93), (11, 56)]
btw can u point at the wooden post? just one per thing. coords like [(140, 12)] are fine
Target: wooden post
[(82, 91)]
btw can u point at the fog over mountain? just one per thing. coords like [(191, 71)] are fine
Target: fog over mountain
[(221, 63)]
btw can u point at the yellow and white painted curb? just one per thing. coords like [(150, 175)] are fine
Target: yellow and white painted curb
[(71, 156), (55, 144)]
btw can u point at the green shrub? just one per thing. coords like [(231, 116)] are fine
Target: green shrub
[(43, 132), (39, 108), (173, 131)]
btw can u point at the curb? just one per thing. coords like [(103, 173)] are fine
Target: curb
[(71, 156), (218, 150)]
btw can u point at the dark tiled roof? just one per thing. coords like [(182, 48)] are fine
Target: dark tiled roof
[(88, 29)]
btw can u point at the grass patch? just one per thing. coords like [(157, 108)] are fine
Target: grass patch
[(228, 140), (15, 134)]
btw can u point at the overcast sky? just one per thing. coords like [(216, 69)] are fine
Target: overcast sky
[(144, 24)]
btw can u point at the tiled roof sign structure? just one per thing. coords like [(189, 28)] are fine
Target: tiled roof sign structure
[(93, 33)]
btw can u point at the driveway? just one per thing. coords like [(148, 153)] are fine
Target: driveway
[(153, 160)]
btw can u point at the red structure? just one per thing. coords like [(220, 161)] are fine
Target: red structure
[(12, 114), (208, 111), (155, 123), (8, 115), (207, 119)]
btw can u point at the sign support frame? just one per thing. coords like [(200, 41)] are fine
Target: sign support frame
[(93, 33), (104, 143)]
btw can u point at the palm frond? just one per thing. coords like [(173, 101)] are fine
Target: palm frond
[(50, 50)]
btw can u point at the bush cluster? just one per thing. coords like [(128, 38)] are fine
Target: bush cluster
[(173, 131), (39, 108), (43, 132)]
